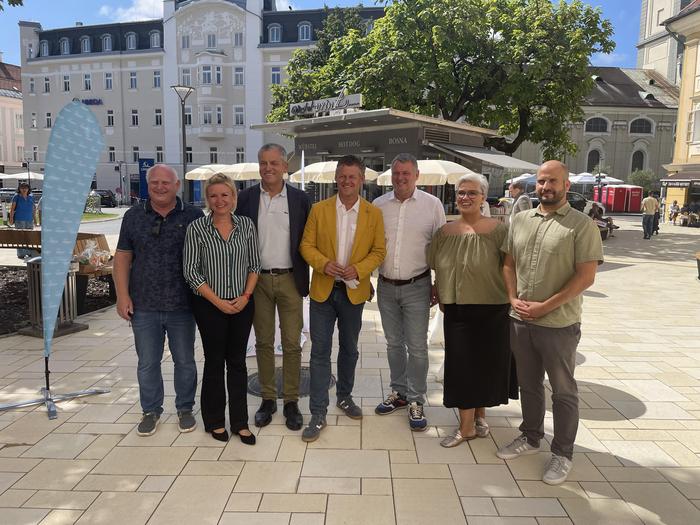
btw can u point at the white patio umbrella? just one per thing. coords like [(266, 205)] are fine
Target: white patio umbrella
[(525, 177), (589, 178), (22, 175), (206, 171), (243, 171), (432, 172), (324, 173)]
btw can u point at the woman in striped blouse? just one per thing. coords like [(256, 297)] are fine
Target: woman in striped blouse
[(221, 264)]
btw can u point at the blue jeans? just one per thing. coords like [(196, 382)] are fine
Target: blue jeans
[(322, 317), (405, 312), (149, 335), (648, 225), (24, 252)]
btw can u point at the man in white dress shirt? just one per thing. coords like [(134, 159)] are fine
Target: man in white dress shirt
[(405, 294)]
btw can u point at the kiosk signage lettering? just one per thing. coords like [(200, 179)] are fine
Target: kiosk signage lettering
[(326, 105)]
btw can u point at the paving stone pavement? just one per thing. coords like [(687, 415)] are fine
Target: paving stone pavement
[(637, 456)]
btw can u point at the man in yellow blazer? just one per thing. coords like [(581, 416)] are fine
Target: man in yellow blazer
[(343, 242)]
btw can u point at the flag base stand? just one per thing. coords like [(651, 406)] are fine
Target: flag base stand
[(50, 399)]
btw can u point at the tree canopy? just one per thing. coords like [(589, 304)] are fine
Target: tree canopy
[(10, 2), (517, 66)]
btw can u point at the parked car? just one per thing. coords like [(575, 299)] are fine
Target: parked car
[(576, 200), (6, 194), (107, 198)]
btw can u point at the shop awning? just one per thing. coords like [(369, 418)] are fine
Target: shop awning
[(496, 159), (682, 176)]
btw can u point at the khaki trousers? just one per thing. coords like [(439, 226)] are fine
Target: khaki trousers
[(278, 292)]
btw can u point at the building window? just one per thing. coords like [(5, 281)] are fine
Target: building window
[(593, 160), (35, 153), (133, 83), (213, 155), (30, 51), (219, 115), (188, 115), (108, 81), (43, 48), (238, 40), (64, 46), (135, 153), (206, 75), (19, 121), (87, 82), (207, 115), (158, 117), (188, 154), (66, 82), (693, 134), (186, 77), (217, 75), (238, 116), (185, 41), (20, 154), (240, 155), (155, 39), (641, 126), (107, 43), (637, 161), (211, 41), (48, 120), (134, 117), (47, 85), (596, 125), (274, 33), (304, 31), (156, 78), (159, 154), (112, 154), (276, 77), (110, 118), (85, 44), (131, 41), (33, 120), (31, 85), (238, 76)]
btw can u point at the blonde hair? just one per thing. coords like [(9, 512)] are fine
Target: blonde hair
[(220, 178)]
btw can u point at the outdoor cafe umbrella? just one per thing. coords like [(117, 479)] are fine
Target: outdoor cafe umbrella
[(205, 172), (527, 178), (22, 175), (324, 173), (588, 178), (432, 172)]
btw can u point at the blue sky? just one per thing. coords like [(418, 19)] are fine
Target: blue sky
[(624, 15)]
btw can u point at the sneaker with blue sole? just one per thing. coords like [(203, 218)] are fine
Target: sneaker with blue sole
[(416, 418), (392, 403)]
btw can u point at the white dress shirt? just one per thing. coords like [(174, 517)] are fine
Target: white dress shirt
[(408, 228), (273, 230), (346, 225)]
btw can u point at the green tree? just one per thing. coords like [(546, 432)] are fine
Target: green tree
[(518, 66), (13, 3), (305, 71), (647, 179)]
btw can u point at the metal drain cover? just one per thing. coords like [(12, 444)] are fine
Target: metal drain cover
[(304, 382)]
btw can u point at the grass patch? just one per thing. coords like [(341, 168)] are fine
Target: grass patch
[(97, 216)]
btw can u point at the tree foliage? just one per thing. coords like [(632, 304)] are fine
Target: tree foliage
[(647, 179), (518, 66), (13, 3)]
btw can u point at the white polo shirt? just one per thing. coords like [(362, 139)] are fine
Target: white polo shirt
[(409, 227), (273, 230)]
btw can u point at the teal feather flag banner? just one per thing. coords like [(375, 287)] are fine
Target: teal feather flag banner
[(71, 160)]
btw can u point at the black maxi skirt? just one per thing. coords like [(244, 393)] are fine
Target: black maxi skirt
[(479, 367)]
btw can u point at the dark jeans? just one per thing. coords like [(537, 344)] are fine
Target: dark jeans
[(648, 224), (539, 349), (149, 337), (224, 339), (322, 322)]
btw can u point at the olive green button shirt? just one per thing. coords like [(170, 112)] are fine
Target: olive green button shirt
[(546, 249), (468, 267)]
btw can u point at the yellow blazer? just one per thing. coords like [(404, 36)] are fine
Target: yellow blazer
[(319, 245)]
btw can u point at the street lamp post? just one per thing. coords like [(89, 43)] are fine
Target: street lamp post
[(27, 161), (183, 92)]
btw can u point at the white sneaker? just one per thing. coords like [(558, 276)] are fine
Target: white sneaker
[(557, 470), (518, 447)]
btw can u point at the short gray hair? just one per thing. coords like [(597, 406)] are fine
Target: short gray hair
[(475, 177), (519, 185), (405, 157), (272, 145), (163, 167)]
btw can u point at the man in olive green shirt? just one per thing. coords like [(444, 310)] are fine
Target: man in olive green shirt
[(552, 253)]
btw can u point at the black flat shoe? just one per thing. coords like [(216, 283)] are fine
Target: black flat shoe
[(220, 436), (264, 414), (294, 419), (247, 440)]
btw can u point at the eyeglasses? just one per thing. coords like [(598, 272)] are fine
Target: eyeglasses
[(471, 195), (155, 230)]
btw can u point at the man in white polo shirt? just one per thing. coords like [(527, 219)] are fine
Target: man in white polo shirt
[(405, 294)]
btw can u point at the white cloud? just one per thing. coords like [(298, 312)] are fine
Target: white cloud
[(612, 59), (138, 10)]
